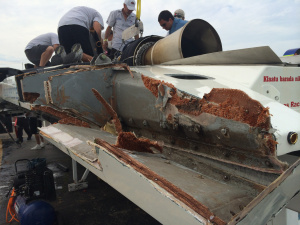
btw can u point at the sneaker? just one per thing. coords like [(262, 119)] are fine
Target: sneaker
[(36, 147), (60, 50), (42, 145), (29, 138), (93, 60), (59, 56), (75, 55)]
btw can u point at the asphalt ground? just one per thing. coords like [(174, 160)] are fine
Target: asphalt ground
[(98, 204)]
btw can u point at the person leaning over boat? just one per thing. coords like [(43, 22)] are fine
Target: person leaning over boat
[(74, 28), (169, 23), (119, 20), (40, 49)]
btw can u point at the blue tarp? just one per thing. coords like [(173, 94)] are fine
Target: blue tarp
[(292, 52)]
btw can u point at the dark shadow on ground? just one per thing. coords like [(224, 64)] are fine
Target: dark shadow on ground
[(98, 204)]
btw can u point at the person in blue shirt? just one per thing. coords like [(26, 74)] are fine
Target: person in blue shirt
[(169, 23)]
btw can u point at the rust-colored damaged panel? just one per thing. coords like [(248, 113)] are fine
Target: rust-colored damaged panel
[(30, 97), (63, 116), (226, 103), (168, 186), (237, 105), (152, 84), (74, 121), (127, 140)]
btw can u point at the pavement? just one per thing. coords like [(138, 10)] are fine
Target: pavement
[(98, 204)]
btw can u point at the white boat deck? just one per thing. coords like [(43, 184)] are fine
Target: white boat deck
[(222, 199)]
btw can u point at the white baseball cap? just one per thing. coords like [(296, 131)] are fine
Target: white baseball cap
[(179, 13), (130, 4)]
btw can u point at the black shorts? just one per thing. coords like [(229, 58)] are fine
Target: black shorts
[(69, 35), (34, 54), (34, 123)]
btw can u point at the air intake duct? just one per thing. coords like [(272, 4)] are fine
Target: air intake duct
[(197, 37)]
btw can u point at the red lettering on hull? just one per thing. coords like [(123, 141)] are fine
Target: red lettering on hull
[(295, 104)]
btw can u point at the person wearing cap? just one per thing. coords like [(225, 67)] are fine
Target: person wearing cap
[(74, 28), (170, 23), (119, 20), (40, 49), (179, 13)]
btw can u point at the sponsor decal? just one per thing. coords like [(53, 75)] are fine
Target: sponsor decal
[(280, 79), (293, 104)]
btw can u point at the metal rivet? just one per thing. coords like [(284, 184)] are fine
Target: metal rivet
[(268, 163), (226, 178), (224, 131)]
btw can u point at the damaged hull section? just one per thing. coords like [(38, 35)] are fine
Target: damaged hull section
[(170, 192), (188, 148)]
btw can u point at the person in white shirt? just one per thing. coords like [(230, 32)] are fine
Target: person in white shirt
[(119, 20), (40, 49)]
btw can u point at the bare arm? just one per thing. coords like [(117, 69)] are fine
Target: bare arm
[(97, 27), (55, 46), (107, 33)]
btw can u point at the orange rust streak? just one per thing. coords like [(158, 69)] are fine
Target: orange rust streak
[(152, 85), (168, 186), (64, 117), (61, 98), (129, 141), (126, 67), (74, 121), (109, 110), (30, 97)]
